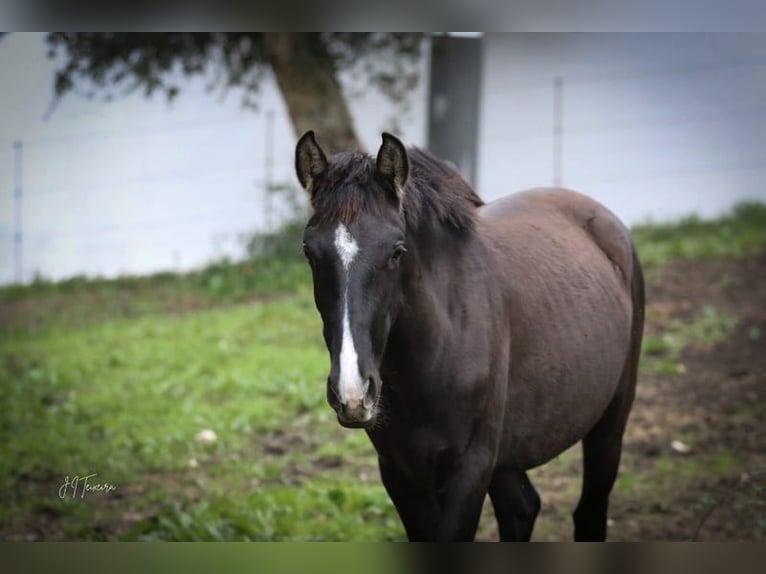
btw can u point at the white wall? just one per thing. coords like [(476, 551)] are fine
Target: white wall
[(136, 185), (655, 125)]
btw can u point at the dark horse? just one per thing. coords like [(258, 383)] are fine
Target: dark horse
[(472, 342)]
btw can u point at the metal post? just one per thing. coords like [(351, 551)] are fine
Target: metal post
[(18, 236), (454, 100), (268, 172), (558, 131)]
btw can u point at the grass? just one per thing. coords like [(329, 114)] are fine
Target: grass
[(739, 233), (81, 301), (125, 399), (117, 377)]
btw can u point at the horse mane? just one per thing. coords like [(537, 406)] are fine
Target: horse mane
[(435, 193)]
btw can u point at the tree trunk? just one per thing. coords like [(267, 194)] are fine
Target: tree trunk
[(306, 77)]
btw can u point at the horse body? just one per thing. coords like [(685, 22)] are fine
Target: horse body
[(570, 315), (509, 332)]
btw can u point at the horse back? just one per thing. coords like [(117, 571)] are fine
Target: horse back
[(560, 213)]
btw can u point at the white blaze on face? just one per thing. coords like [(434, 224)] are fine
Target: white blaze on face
[(350, 383)]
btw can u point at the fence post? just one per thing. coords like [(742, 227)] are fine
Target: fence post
[(558, 131), (18, 235), (268, 172)]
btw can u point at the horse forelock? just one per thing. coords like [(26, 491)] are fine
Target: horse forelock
[(347, 189)]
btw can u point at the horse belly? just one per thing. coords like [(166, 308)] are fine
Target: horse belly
[(553, 403), (568, 353)]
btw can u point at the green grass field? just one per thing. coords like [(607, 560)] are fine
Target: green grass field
[(125, 398), (741, 232), (117, 378)]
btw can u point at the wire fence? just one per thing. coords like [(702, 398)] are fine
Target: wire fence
[(656, 143), (107, 202), (175, 212)]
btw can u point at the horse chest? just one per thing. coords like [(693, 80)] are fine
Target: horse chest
[(421, 455)]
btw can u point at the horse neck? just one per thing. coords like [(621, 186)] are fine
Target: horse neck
[(443, 273)]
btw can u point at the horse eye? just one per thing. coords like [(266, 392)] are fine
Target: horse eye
[(399, 250), (306, 253)]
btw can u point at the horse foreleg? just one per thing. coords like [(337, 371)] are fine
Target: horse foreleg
[(516, 504), (462, 497), (418, 508)]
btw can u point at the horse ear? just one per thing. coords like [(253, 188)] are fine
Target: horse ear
[(392, 164), (310, 161)]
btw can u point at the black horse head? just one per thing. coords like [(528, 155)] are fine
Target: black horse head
[(354, 243)]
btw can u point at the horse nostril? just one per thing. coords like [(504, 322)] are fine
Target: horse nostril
[(368, 394), (332, 395)]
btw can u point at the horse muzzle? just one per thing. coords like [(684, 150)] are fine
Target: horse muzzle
[(355, 412)]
